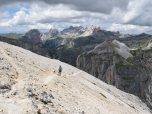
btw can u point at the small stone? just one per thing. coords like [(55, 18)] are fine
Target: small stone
[(1, 110), (6, 96), (14, 93)]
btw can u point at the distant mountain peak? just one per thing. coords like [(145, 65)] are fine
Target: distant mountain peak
[(113, 46), (72, 31), (33, 30), (91, 30), (95, 27), (71, 27), (53, 33), (143, 34), (33, 35)]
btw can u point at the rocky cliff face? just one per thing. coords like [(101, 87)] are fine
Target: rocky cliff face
[(100, 33), (30, 84), (113, 63), (91, 30), (33, 36), (71, 32), (53, 33)]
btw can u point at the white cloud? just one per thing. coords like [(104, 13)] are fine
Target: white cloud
[(49, 14), (136, 8), (41, 26), (130, 28), (24, 9), (80, 5), (20, 18), (45, 16), (4, 14)]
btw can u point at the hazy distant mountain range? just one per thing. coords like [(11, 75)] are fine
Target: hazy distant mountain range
[(35, 36)]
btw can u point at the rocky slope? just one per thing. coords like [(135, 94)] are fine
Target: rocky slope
[(116, 64), (29, 84)]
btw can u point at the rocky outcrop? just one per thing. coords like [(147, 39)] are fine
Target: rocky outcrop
[(71, 32), (91, 30), (33, 36), (53, 33), (116, 65), (126, 35), (100, 33)]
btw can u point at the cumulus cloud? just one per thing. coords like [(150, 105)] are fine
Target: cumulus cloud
[(81, 5), (126, 14), (128, 28), (53, 14), (139, 13), (20, 18), (4, 14), (41, 26)]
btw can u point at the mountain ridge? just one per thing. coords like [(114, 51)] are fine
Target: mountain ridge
[(71, 32)]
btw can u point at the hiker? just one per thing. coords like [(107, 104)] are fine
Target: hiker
[(60, 70)]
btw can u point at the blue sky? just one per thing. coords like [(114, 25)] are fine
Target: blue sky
[(129, 16), (12, 11)]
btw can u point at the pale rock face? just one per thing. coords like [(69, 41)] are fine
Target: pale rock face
[(100, 33), (29, 82), (89, 31), (122, 49), (126, 35), (53, 33), (149, 45), (113, 46), (71, 32)]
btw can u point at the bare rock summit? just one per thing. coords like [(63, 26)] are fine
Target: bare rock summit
[(33, 36)]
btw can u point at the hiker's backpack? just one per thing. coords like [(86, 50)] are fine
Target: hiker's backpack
[(60, 69)]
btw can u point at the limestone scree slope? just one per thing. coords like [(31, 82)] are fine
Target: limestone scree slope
[(30, 84)]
